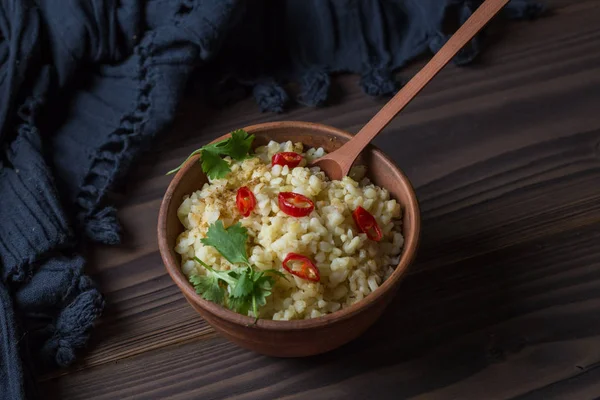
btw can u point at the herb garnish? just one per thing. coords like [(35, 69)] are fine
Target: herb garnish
[(238, 146), (230, 242), (242, 288)]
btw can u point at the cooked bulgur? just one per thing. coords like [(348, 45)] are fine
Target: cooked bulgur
[(350, 265)]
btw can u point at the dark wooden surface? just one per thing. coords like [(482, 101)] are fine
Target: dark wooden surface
[(504, 301)]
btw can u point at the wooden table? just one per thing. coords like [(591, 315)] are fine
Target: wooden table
[(504, 300)]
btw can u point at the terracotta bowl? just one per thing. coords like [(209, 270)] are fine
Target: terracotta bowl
[(303, 337)]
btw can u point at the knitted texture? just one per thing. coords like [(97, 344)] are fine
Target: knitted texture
[(114, 71), (86, 85)]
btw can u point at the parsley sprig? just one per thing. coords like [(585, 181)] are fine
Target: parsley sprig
[(238, 146), (240, 289)]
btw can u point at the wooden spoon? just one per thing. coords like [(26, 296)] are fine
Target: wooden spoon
[(337, 164)]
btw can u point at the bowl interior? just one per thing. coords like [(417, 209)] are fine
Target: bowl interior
[(380, 170)]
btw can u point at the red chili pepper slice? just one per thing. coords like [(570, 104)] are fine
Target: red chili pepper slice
[(302, 267), (367, 224), (245, 201), (288, 158), (295, 204)]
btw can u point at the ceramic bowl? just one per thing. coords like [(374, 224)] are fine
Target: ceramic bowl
[(300, 337)]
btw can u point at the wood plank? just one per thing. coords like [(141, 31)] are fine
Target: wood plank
[(461, 332), (503, 299)]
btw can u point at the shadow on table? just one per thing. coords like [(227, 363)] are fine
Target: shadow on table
[(449, 322)]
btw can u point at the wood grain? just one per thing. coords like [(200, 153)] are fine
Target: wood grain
[(503, 301)]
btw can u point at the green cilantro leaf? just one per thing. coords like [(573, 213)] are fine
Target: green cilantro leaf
[(244, 286), (247, 288), (230, 242), (262, 289), (208, 286), (240, 305), (213, 165), (238, 146), (229, 277)]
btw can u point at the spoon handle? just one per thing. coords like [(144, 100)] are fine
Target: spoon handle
[(463, 35)]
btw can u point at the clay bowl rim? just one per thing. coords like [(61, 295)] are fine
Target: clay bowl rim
[(411, 244)]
